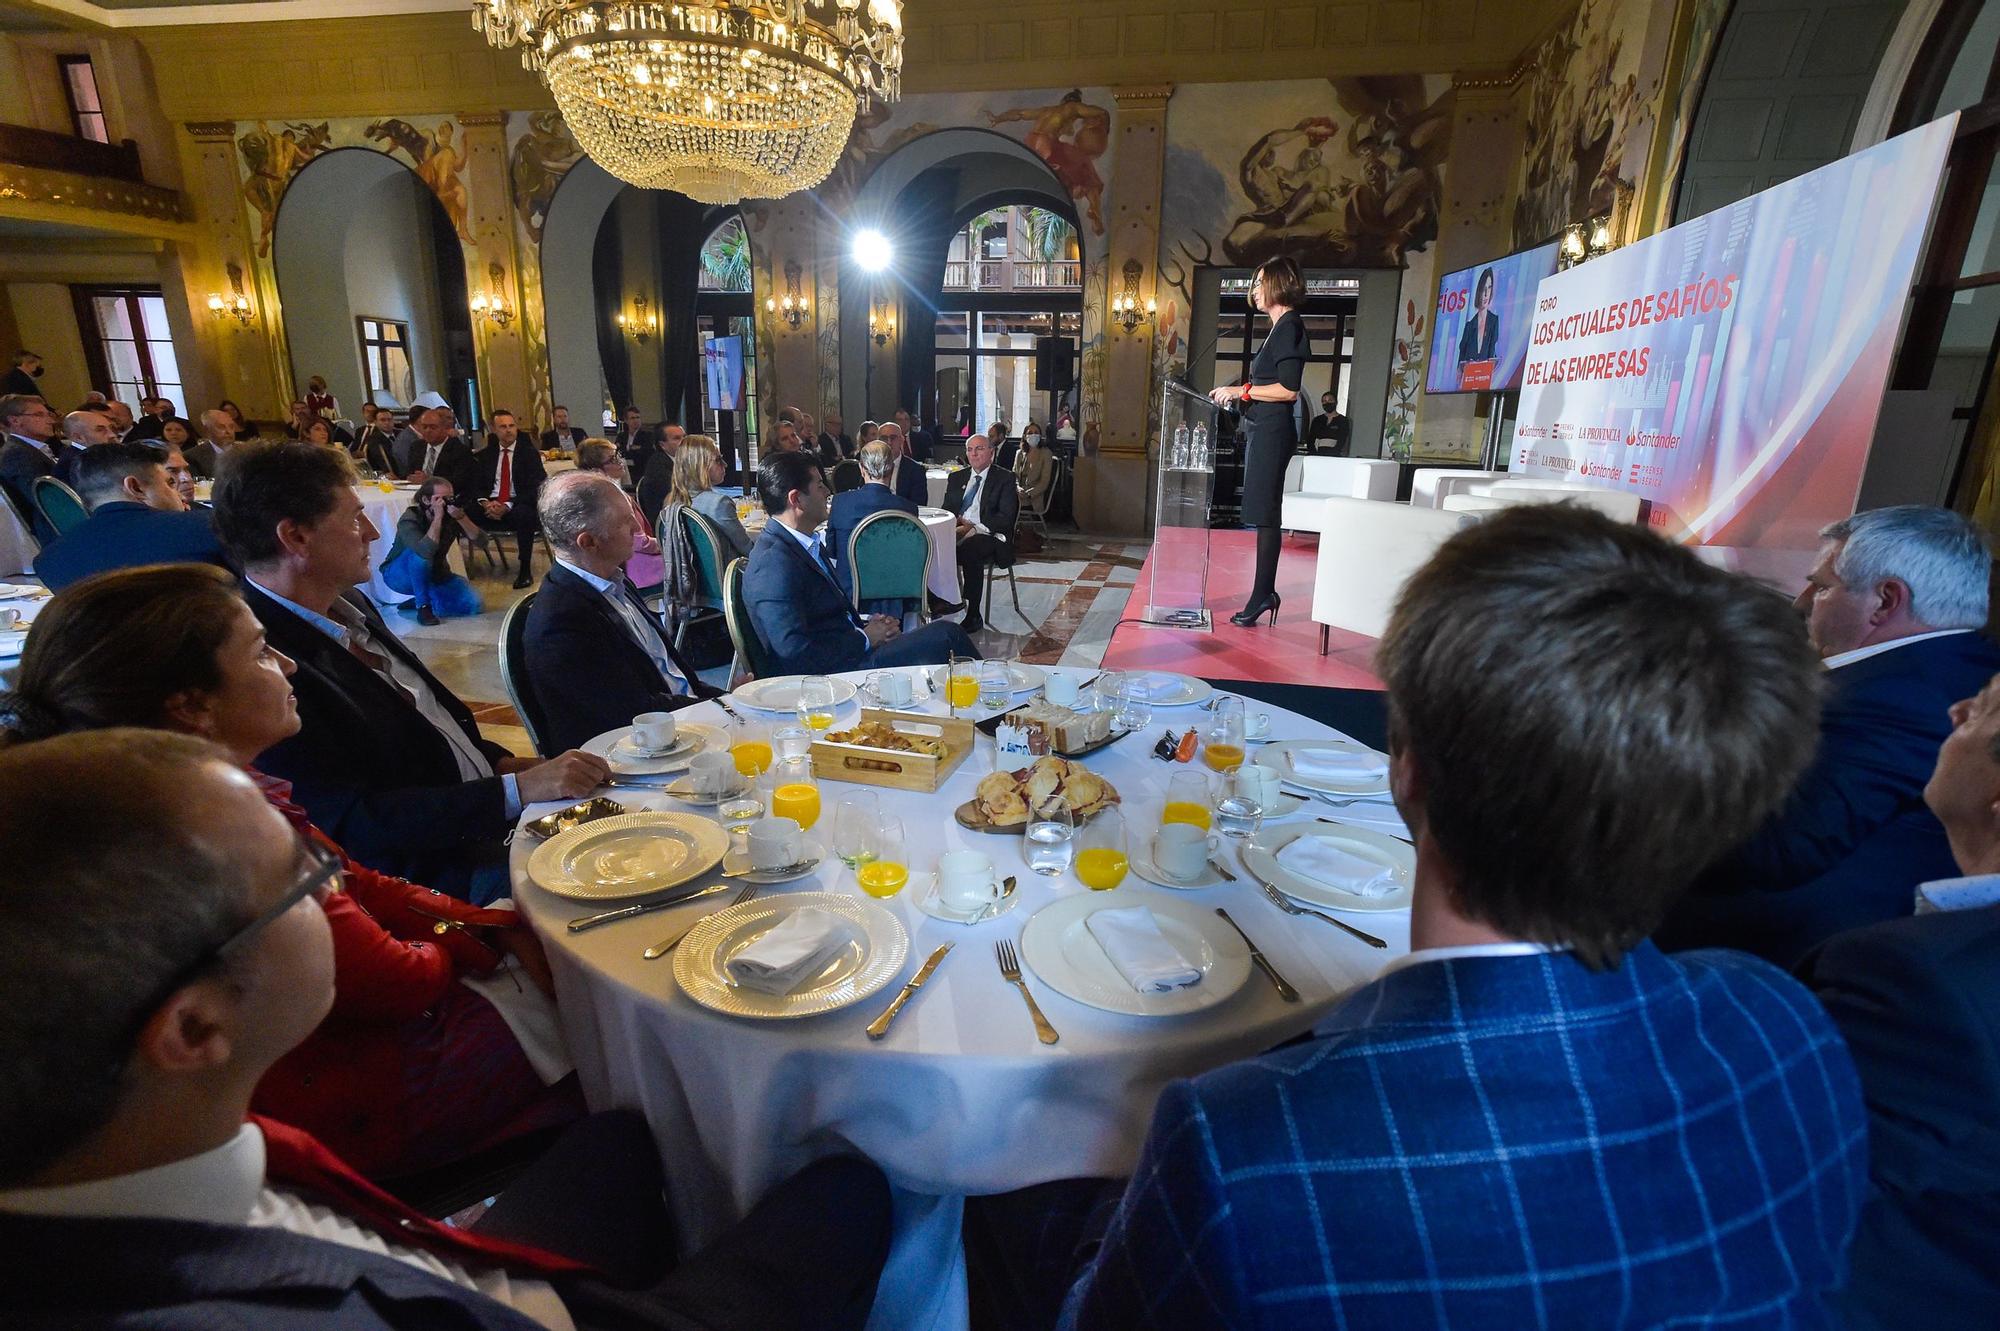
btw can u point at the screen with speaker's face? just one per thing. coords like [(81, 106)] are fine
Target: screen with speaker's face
[(1479, 330)]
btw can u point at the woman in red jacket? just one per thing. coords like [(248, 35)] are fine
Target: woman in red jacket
[(412, 1068)]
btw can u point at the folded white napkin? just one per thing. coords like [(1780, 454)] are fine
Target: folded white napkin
[(1156, 687), (1339, 764), (1324, 862), (793, 952), (1146, 958)]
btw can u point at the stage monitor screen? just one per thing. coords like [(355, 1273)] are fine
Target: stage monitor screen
[(1479, 333)]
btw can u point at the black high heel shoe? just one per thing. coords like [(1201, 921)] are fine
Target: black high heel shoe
[(1253, 612)]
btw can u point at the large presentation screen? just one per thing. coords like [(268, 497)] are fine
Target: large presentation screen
[(1730, 370), (1480, 332)]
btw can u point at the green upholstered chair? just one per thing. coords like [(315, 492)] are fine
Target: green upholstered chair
[(60, 505), (889, 556), (749, 647)]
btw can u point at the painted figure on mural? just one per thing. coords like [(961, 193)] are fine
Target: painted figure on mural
[(1070, 136), (1583, 108), (437, 160), (270, 161), (544, 154)]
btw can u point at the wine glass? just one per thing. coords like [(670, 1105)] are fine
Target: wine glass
[(816, 703), (888, 866), (854, 817), (1222, 743), (1187, 800), (1102, 859), (1051, 837)]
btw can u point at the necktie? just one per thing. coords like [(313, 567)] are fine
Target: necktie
[(431, 457), (971, 495), (506, 491)]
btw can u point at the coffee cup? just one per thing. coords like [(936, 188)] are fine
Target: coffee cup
[(1256, 725), (1181, 850), (892, 687), (966, 881), (10, 618), (774, 843), (1060, 689), (1257, 782), (712, 773), (653, 731)]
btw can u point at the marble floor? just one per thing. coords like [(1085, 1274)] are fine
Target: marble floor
[(1071, 595)]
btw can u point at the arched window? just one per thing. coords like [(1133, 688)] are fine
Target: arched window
[(1013, 276), (725, 258), (724, 307)]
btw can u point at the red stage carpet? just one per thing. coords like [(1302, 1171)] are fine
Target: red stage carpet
[(1286, 654)]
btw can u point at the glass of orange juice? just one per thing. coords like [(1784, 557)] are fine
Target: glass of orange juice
[(795, 792), (816, 703), (1187, 800), (962, 689), (1222, 744), (885, 875), (1101, 858), (750, 746)]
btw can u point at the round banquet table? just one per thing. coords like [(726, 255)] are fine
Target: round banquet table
[(959, 1099), (384, 510), (936, 478), (942, 528)]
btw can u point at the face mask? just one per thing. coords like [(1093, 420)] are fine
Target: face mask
[(1033, 439)]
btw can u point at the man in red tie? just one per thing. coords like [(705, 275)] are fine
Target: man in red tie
[(510, 485), (154, 965)]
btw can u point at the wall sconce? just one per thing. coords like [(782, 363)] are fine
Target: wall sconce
[(881, 327), (490, 304), (1584, 241), (641, 324), (235, 305), (794, 307), (1125, 308)]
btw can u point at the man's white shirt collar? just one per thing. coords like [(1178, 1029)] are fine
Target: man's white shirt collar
[(1512, 949), (217, 1187), (1840, 659)]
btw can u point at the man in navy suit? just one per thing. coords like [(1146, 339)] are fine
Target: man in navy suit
[(1536, 1117), (27, 454), (137, 516), (1894, 606), (987, 503), (907, 476), (1914, 1000), (873, 496), (507, 478), (797, 608), (596, 656), (187, 941)]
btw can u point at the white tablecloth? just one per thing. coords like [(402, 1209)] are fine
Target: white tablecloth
[(960, 1099), (937, 478), (11, 642), (385, 511), (943, 529)]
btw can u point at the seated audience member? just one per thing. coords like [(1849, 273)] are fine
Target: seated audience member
[(920, 443), (154, 413), (797, 607), (1536, 1118), (1035, 470), (370, 448), (182, 477), (218, 436), (121, 418), (656, 481), (387, 760), (180, 917), (988, 505), (633, 440), (319, 432), (433, 449), (411, 1069), (644, 567), (697, 469), (22, 378), (137, 516), (596, 657), (506, 483), (846, 512), (419, 563), (176, 433), (834, 441), (564, 436), (1894, 606), (28, 454), (81, 429), (907, 476), (694, 487), (1914, 1000), (244, 429)]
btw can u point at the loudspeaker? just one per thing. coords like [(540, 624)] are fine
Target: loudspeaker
[(1055, 365)]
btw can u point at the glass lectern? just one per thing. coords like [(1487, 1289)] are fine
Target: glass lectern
[(1178, 594)]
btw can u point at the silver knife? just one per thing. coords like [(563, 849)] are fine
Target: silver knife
[(1284, 988), (582, 922), (880, 1026)]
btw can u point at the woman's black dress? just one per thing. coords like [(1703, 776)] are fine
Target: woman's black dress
[(1272, 428)]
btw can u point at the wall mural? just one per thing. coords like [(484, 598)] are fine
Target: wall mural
[(270, 160), (540, 152), (1587, 108), (1070, 136), (1704, 32)]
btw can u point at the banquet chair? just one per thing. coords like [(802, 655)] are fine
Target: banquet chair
[(750, 653), (1012, 586), (889, 554), (1040, 516), (61, 506), (706, 542), (514, 673)]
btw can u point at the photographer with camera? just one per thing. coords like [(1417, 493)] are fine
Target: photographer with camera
[(418, 565)]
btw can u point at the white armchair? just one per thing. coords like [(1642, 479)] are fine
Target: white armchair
[(1618, 505), (1310, 480), (1367, 550), (1430, 485)]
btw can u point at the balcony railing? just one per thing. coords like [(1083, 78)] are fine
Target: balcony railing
[(1013, 275), (40, 167), (25, 146)]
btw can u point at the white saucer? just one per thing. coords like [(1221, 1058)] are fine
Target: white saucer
[(1141, 862), (815, 856), (928, 903)]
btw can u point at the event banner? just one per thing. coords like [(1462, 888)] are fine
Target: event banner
[(1479, 334), (1730, 370)]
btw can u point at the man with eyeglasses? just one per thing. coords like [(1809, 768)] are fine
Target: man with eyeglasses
[(184, 936)]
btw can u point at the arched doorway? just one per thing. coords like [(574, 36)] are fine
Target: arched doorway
[(725, 307), (371, 279)]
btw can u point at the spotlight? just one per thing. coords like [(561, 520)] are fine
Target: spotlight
[(872, 250)]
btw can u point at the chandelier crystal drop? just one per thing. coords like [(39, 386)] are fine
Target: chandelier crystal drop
[(722, 100)]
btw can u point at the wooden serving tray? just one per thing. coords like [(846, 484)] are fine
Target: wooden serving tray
[(894, 768)]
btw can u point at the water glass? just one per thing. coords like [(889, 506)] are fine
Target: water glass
[(738, 813), (1238, 816), (854, 818), (1131, 700), (995, 690), (816, 703), (1051, 838), (793, 742)]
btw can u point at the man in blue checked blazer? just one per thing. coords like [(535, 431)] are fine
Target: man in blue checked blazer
[(1536, 1118)]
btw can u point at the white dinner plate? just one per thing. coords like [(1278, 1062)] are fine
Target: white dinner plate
[(1260, 857), (1277, 757), (780, 693), (1190, 690), (632, 855), (690, 738), (1020, 678), (1059, 948), (864, 967), (22, 591)]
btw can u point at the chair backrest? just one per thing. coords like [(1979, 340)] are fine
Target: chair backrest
[(1464, 503), (1429, 485), (514, 673), (61, 507), (846, 476), (889, 556), (1295, 473), (1355, 478), (705, 540), (736, 612), (1367, 550), (1618, 505), (1041, 510)]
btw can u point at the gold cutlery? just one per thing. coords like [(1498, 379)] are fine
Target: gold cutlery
[(880, 1026), (1010, 971), (1284, 988), (666, 945)]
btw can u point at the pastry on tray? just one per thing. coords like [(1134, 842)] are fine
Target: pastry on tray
[(1006, 797)]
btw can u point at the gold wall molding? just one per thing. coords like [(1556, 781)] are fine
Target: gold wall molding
[(94, 194), (212, 131)]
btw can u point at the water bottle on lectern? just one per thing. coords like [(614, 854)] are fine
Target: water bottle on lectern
[(1177, 460), (1198, 455)]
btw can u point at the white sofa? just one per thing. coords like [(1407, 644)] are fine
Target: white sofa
[(1430, 485), (1618, 505), (1309, 480), (1367, 550)]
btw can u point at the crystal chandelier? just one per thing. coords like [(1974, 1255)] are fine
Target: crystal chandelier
[(721, 100)]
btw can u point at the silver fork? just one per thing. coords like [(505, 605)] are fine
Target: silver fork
[(1010, 971), (1382, 800), (666, 945), (1291, 907)]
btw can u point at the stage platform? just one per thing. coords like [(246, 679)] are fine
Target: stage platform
[(1285, 654)]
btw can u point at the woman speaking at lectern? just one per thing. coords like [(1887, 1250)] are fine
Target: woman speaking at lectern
[(1269, 403)]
